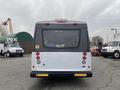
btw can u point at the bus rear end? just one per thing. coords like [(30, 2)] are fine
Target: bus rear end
[(61, 50)]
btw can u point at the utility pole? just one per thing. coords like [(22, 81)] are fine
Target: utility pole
[(107, 38), (114, 35)]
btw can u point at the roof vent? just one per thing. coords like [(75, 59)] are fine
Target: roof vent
[(61, 20)]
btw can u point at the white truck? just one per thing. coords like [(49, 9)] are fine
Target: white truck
[(10, 48), (112, 49)]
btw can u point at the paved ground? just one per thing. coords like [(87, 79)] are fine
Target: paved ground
[(15, 75)]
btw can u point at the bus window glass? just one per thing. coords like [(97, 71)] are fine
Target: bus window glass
[(61, 38)]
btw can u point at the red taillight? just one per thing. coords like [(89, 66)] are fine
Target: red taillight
[(84, 58), (37, 53), (84, 53), (37, 57)]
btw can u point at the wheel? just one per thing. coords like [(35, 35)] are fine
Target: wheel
[(21, 55), (7, 54), (116, 54), (105, 56)]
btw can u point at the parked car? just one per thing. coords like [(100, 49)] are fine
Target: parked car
[(95, 51), (112, 49)]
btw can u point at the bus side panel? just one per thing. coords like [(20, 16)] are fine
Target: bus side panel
[(61, 61)]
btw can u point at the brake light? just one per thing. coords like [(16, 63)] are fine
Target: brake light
[(84, 53), (84, 58), (37, 55), (61, 20)]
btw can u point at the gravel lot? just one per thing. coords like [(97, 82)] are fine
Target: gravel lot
[(15, 75)]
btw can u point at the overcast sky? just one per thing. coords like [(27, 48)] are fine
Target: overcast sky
[(101, 15)]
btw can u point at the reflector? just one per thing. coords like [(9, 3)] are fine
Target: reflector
[(38, 62), (84, 58), (78, 75), (37, 57), (83, 62), (84, 53), (44, 75), (37, 53)]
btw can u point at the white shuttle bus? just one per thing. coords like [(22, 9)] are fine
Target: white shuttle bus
[(61, 49)]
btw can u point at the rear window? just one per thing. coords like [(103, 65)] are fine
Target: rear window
[(61, 38)]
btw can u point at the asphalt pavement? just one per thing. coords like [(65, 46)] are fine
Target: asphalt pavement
[(15, 75)]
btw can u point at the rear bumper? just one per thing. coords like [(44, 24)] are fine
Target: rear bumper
[(55, 74)]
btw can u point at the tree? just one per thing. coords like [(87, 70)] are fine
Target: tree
[(97, 40)]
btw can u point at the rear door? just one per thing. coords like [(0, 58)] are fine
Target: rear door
[(61, 50)]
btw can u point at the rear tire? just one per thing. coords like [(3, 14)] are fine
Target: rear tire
[(105, 56), (21, 55), (116, 54), (7, 54)]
